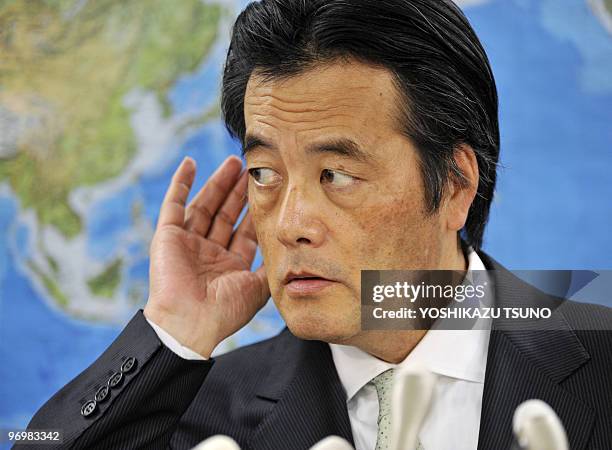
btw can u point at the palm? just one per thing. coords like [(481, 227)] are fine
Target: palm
[(196, 267), (200, 267)]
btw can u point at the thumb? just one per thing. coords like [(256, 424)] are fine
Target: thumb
[(262, 286)]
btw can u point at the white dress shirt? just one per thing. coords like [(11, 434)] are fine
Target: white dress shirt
[(457, 357), (169, 341)]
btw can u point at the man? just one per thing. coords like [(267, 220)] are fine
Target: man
[(370, 133)]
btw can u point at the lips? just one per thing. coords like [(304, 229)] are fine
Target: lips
[(303, 275), (302, 283)]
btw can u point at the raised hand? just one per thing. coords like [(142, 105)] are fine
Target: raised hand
[(201, 288)]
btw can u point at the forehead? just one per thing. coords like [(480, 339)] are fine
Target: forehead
[(336, 96)]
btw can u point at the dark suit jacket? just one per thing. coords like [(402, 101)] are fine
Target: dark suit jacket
[(284, 392)]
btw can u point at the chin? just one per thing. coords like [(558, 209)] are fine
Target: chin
[(332, 316), (319, 333), (319, 324)]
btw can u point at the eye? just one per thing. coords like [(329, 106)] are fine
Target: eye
[(264, 176), (338, 179)]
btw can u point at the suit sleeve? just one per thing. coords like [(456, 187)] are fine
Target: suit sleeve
[(132, 396)]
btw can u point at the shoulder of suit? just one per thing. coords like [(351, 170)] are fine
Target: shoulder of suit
[(578, 315), (587, 316), (239, 374), (259, 351)]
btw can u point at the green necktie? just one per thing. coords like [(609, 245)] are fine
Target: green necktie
[(384, 386)]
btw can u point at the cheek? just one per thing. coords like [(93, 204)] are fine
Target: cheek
[(392, 212), (264, 236), (264, 224), (394, 234)]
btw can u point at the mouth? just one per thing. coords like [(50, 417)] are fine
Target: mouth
[(304, 284)]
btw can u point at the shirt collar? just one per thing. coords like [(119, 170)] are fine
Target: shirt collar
[(459, 354)]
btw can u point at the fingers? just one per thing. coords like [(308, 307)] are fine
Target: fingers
[(244, 239), (225, 219), (172, 211), (202, 209)]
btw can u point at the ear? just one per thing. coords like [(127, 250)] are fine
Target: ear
[(461, 193)]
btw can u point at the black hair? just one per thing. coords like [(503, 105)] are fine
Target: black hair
[(442, 74)]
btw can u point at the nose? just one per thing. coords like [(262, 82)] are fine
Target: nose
[(299, 221)]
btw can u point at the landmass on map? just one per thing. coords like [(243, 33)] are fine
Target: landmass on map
[(67, 70)]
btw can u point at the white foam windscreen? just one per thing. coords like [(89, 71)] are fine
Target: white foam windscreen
[(537, 426)]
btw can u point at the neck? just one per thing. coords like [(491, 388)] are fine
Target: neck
[(394, 346)]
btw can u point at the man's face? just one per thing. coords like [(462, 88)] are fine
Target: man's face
[(337, 190)]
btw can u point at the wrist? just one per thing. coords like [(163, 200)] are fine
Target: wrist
[(202, 344)]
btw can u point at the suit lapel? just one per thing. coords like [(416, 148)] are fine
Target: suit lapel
[(523, 364), (310, 402)]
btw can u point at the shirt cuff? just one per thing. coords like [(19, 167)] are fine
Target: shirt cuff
[(169, 341)]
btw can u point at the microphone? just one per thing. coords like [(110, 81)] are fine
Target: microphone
[(332, 443), (410, 401), (537, 427), (217, 442)]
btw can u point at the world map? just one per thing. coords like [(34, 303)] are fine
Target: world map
[(100, 100)]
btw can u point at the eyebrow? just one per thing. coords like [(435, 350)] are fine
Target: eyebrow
[(344, 147), (251, 142)]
